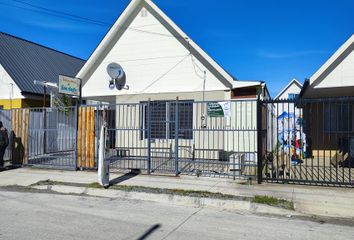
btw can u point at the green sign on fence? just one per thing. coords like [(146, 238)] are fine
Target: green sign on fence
[(219, 109)]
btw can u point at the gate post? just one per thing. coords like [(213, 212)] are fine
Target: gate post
[(176, 136), (148, 126), (259, 142), (76, 121)]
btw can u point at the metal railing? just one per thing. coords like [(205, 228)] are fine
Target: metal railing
[(309, 141), (171, 137)]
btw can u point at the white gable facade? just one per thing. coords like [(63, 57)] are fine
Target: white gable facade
[(158, 60), (294, 87), (8, 89), (336, 77)]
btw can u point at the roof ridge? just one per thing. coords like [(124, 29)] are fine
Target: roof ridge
[(40, 45)]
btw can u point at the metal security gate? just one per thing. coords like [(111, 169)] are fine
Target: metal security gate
[(52, 137), (308, 141), (217, 138)]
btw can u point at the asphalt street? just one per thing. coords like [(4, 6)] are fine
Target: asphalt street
[(35, 216)]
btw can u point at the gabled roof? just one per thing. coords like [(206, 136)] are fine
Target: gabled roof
[(333, 61), (123, 23), (294, 81), (26, 61)]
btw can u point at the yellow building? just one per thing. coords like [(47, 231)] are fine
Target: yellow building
[(22, 62)]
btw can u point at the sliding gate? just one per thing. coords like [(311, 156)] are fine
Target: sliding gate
[(52, 137), (183, 137), (309, 141)]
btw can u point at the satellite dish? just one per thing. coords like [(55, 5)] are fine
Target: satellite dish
[(118, 77), (115, 70), (120, 82)]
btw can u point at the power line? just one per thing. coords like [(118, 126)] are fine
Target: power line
[(65, 15), (62, 13), (38, 11)]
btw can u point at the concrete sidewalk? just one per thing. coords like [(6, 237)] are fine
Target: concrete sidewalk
[(309, 200)]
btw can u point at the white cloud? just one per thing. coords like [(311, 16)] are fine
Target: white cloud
[(292, 54)]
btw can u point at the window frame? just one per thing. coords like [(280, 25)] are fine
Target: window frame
[(169, 125), (293, 96)]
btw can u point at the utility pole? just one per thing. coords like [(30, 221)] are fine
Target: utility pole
[(44, 94)]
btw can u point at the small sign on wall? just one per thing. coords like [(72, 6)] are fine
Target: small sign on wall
[(219, 109), (69, 85)]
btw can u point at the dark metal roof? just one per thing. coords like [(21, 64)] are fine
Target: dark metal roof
[(26, 61)]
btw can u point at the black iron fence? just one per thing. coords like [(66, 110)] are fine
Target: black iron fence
[(309, 141)]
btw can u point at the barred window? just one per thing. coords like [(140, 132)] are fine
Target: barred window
[(163, 119)]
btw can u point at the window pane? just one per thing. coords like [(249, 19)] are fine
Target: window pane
[(185, 115), (163, 117), (158, 119)]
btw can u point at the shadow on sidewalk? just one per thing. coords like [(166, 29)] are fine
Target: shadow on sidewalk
[(123, 178), (8, 168), (149, 232)]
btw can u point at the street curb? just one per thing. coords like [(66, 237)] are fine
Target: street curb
[(240, 206)]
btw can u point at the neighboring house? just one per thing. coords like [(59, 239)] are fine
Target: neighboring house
[(335, 78), (290, 91), (328, 107), (161, 63), (286, 115), (22, 62)]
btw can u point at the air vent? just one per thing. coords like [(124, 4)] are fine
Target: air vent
[(144, 13)]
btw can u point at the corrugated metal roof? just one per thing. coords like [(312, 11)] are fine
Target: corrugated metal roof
[(26, 61)]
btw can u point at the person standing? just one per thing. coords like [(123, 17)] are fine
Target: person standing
[(4, 142)]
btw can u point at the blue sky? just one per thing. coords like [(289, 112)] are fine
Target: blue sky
[(271, 40)]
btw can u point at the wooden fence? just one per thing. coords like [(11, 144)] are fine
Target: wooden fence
[(20, 127), (86, 138)]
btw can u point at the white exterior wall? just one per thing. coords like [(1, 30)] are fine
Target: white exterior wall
[(341, 76), (154, 63), (8, 87)]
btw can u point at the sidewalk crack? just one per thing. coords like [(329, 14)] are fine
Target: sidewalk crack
[(181, 224)]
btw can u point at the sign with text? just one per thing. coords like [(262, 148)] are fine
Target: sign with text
[(219, 109), (69, 85)]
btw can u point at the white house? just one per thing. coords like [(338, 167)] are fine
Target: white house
[(335, 78), (159, 59), (290, 91), (332, 118), (161, 63)]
